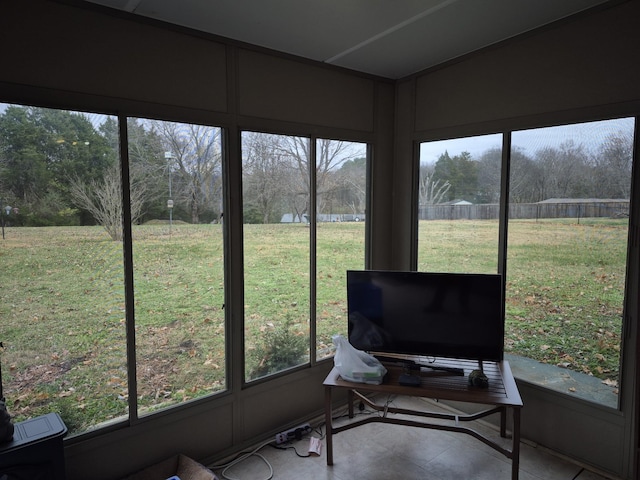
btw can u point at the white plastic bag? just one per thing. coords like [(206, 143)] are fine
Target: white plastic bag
[(355, 365)]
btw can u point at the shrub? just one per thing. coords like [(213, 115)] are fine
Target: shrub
[(280, 348)]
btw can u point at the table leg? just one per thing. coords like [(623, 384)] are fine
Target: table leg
[(515, 450), (328, 424), (350, 401)]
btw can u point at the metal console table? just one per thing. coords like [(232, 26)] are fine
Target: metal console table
[(500, 397)]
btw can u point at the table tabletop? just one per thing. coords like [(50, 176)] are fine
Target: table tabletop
[(443, 385)]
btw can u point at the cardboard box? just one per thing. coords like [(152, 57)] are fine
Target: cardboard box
[(179, 465)]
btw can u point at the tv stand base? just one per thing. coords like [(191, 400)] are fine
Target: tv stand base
[(499, 399)]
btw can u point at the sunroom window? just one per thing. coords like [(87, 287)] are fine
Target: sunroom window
[(62, 298), (67, 319), (458, 205), (567, 255), (303, 228), (178, 261), (566, 243)]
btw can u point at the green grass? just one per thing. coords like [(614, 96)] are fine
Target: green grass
[(565, 284), (565, 294), (63, 317)]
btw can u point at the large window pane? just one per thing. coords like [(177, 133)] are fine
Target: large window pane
[(458, 205), (567, 245), (176, 178), (62, 295), (276, 206), (341, 181)]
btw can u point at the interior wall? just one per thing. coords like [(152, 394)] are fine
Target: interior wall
[(60, 47), (70, 55), (584, 63), (578, 70), (278, 88)]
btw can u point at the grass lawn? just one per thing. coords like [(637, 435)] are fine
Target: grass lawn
[(63, 306)]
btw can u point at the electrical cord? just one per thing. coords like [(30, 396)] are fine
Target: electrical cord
[(290, 447), (385, 408), (242, 458), (320, 432)]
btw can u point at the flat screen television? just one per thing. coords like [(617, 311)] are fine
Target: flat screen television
[(453, 315)]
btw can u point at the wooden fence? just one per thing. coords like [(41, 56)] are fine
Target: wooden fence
[(490, 211)]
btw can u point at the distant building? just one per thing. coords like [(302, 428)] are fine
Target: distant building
[(291, 218)]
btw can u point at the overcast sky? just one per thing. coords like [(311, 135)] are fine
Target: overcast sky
[(590, 135)]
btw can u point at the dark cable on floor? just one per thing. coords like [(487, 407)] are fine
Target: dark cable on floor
[(290, 447), (243, 457)]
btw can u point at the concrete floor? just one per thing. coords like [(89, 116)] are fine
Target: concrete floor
[(378, 451)]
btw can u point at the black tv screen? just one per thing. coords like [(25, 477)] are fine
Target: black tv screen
[(454, 315)]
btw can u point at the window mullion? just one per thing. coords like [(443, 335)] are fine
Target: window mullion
[(127, 245), (313, 163)]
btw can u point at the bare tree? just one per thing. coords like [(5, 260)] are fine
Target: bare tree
[(430, 192), (612, 165), (351, 191), (355, 195), (348, 185), (196, 166), (297, 184), (560, 169), (264, 172), (330, 155), (277, 173), (103, 199)]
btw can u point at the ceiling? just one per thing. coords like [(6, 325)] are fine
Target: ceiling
[(389, 38)]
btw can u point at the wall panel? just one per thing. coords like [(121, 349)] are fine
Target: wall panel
[(83, 51), (281, 89), (584, 63)]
